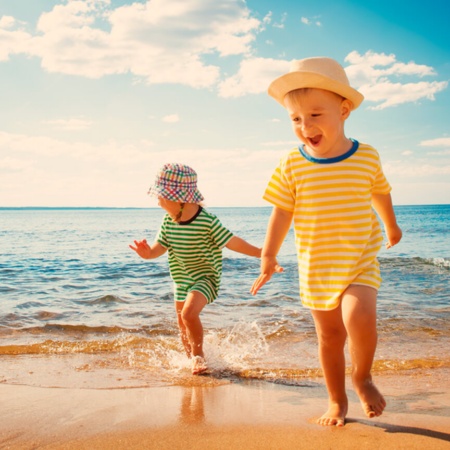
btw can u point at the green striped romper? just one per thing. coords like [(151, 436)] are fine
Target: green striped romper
[(195, 253)]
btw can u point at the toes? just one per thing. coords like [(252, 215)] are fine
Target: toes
[(374, 410), (331, 421), (198, 365)]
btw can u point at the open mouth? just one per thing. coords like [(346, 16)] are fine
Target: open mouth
[(315, 140)]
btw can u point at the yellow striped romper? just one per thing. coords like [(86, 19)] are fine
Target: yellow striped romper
[(337, 233)]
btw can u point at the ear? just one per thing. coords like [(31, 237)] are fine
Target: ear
[(346, 108)]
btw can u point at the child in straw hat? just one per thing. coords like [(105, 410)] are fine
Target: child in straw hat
[(194, 239), (327, 186)]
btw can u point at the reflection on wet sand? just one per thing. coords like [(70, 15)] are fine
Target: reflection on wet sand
[(192, 409)]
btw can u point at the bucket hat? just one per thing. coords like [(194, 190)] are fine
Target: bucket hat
[(320, 73), (176, 182)]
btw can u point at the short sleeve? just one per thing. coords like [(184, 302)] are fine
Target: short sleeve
[(280, 191), (219, 233), (380, 184), (162, 235)]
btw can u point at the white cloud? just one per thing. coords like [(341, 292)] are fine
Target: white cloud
[(13, 38), (42, 149), (163, 41), (438, 142), (7, 22), (388, 94), (8, 164), (420, 192), (415, 170), (166, 41), (36, 145), (371, 73), (73, 124), (282, 21), (171, 118), (38, 170), (268, 18), (313, 21), (440, 153), (253, 77), (379, 77), (286, 144)]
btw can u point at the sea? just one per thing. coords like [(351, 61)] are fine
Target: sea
[(80, 309)]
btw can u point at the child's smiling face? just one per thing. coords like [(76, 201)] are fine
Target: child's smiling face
[(318, 118)]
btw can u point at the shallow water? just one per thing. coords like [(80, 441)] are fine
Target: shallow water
[(78, 306)]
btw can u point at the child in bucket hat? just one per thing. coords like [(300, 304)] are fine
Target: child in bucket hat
[(327, 186), (194, 239)]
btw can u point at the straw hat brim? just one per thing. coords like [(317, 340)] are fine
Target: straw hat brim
[(298, 80)]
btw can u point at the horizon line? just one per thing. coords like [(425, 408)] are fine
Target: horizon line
[(157, 207)]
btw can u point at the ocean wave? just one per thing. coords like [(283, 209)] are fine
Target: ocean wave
[(439, 262), (107, 299), (297, 377), (246, 351), (414, 261)]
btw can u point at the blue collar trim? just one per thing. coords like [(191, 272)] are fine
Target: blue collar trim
[(330, 160)]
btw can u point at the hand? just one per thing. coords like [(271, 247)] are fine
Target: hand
[(142, 249), (269, 266), (393, 235)]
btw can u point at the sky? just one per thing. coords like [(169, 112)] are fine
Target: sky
[(96, 95)]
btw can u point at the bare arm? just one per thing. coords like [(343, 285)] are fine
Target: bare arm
[(277, 229), (236, 244), (383, 206), (148, 251)]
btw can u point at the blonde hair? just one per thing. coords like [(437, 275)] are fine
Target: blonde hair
[(293, 95)]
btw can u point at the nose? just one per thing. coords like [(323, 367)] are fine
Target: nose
[(306, 125)]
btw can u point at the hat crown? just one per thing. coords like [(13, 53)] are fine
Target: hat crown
[(315, 73), (325, 67), (177, 175), (176, 182)]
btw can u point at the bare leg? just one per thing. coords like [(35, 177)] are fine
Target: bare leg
[(359, 315), (190, 315), (332, 336), (183, 332)]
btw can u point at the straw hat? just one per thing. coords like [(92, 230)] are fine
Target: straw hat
[(176, 182), (320, 73)]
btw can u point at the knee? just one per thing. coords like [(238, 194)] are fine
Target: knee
[(188, 316), (331, 337)]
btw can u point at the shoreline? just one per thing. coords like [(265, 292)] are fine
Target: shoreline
[(248, 414)]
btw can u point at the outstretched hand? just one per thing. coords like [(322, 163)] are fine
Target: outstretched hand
[(269, 266), (142, 249)]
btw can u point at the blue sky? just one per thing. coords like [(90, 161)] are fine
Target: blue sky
[(97, 94)]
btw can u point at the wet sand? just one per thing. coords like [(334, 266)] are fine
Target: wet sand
[(218, 414)]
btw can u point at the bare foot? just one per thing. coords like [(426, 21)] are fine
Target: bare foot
[(335, 416), (372, 401), (198, 365)]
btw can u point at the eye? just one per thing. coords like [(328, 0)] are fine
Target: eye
[(315, 115)]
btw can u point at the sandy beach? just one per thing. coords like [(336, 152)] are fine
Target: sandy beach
[(213, 414)]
